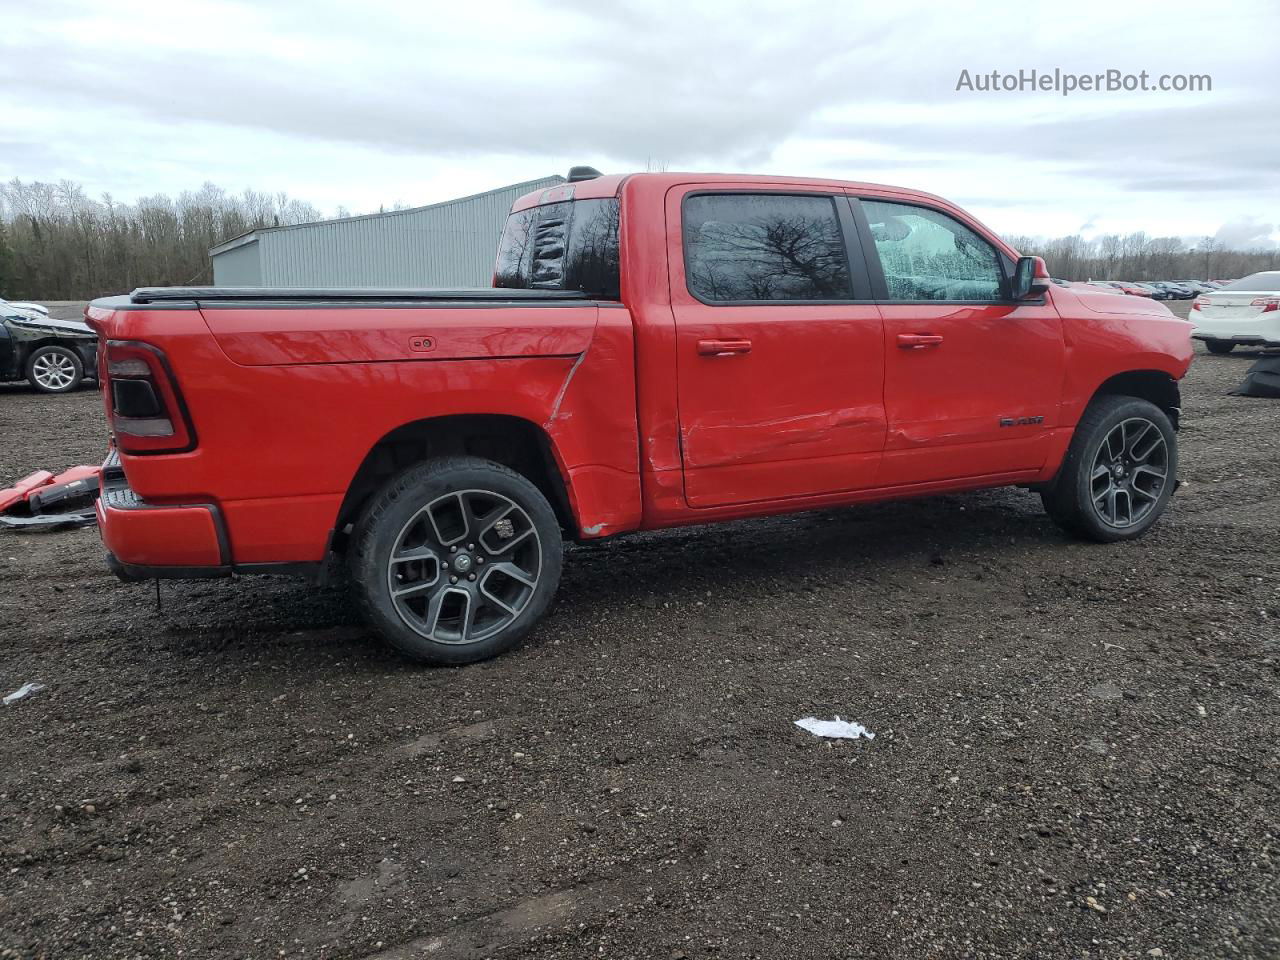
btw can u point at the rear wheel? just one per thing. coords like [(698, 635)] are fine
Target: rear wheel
[(456, 559), (54, 369), (1219, 346), (1119, 471)]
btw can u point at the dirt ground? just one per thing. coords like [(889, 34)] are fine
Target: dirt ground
[(1075, 748)]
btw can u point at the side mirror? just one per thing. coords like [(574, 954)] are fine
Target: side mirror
[(1030, 279)]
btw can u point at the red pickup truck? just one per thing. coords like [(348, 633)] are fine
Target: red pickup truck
[(657, 350)]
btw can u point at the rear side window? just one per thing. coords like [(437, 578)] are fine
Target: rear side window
[(927, 255), (562, 246), (741, 246)]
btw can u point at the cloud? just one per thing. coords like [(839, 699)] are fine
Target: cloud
[(1246, 233), (372, 103)]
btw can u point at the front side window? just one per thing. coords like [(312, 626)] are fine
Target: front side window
[(741, 246), (927, 255), (562, 246)]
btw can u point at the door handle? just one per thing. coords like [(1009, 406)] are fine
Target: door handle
[(723, 348), (918, 341)]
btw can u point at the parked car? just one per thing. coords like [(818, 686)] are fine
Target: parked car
[(1246, 311), (1184, 292), (1197, 286), (1112, 286), (54, 356), (659, 350), (1132, 289), (1078, 285), (1155, 290)]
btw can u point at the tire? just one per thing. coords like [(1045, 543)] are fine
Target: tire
[(54, 369), (478, 553), (1115, 434), (1219, 346)]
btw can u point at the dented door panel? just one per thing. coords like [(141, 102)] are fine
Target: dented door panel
[(776, 400)]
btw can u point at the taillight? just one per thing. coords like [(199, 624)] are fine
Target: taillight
[(1266, 303), (147, 412), (1199, 303)]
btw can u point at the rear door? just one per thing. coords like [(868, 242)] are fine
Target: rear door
[(973, 380), (780, 350)]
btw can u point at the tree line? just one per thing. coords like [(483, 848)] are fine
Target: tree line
[(57, 243), (1137, 256)]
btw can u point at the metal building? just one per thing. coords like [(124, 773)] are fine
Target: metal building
[(449, 244)]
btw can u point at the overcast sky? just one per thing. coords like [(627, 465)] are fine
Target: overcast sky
[(367, 103)]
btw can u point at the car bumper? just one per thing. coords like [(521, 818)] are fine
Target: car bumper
[(89, 358), (1261, 329), (146, 540), (182, 541)]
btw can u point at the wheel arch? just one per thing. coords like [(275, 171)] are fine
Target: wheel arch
[(512, 441), (1155, 386), (24, 350)]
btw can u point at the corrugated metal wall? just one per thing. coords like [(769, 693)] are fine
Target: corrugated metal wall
[(238, 267), (448, 244)]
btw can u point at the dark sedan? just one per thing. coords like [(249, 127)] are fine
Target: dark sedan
[(53, 355)]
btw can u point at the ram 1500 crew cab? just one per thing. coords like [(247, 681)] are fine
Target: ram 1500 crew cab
[(657, 350)]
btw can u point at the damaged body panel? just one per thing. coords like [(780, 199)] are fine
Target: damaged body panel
[(43, 499)]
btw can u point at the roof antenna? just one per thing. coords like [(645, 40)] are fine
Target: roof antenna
[(583, 173)]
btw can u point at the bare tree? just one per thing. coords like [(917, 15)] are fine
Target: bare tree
[(58, 243), (1139, 257)]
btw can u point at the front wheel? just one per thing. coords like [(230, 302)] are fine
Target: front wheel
[(1219, 346), (456, 559), (1119, 472), (54, 369)]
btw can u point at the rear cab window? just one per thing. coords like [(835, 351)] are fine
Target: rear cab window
[(568, 245)]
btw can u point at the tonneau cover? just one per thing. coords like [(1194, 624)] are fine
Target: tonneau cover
[(144, 295)]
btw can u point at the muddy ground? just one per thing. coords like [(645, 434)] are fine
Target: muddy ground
[(1075, 748)]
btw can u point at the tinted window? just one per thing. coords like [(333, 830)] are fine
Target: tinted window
[(764, 247), (926, 255), (1268, 281), (561, 246)]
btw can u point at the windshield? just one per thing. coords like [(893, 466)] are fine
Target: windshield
[(571, 245), (1268, 281)]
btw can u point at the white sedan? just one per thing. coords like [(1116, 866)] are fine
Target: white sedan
[(1244, 312)]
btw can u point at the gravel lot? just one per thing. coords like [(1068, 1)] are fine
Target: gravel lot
[(1075, 748)]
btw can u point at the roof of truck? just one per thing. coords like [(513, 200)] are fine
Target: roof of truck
[(611, 185)]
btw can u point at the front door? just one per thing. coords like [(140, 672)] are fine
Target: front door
[(779, 367), (973, 380)]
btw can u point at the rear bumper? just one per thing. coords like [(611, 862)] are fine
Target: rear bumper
[(1258, 328), (1243, 341), (187, 541), (147, 540)]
